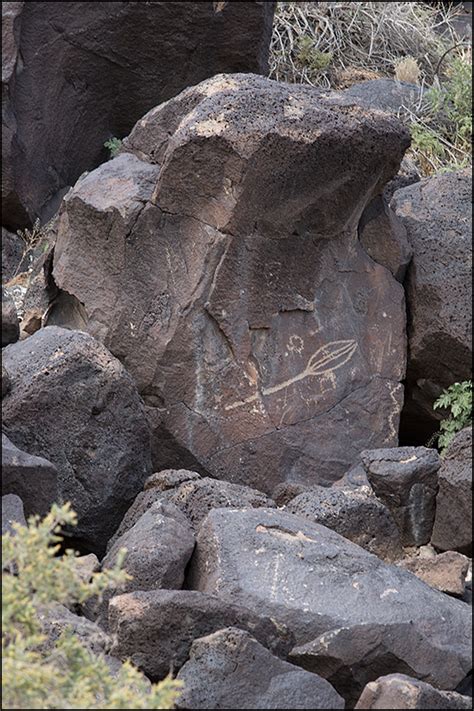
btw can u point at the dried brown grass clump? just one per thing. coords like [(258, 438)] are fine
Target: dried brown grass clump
[(314, 42)]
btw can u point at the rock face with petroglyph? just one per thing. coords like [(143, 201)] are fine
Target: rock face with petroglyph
[(218, 258)]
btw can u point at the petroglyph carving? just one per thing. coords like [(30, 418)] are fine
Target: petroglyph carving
[(323, 362)]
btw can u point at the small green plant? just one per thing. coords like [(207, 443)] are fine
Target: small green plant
[(312, 58), (458, 400), (68, 676), (113, 145)]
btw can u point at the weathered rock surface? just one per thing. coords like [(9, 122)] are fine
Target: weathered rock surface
[(385, 94), (356, 514), (12, 512), (384, 237), (446, 572), (76, 55), (453, 521), (12, 255), (351, 657), (406, 480), (437, 214), (73, 403), (314, 580), (263, 326), (6, 384), (155, 629), (169, 479), (286, 491), (397, 691), (355, 478), (33, 479), (56, 619), (230, 666), (10, 323)]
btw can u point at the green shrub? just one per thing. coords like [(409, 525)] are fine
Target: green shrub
[(68, 676), (113, 145), (457, 399)]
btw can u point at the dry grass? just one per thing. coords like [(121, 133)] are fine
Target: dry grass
[(364, 36)]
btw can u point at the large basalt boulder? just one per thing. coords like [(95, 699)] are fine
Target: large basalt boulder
[(452, 528), (437, 214), (314, 580), (12, 512), (33, 479), (73, 403), (351, 657), (155, 629), (356, 514), (398, 691), (230, 666), (73, 78), (217, 256), (406, 480)]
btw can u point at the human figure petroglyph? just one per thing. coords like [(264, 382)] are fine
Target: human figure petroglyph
[(323, 362)]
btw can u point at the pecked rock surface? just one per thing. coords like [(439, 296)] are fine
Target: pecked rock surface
[(73, 78), (218, 258), (74, 404), (437, 214), (314, 580)]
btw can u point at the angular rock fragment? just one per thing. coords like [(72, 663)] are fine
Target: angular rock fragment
[(397, 691), (156, 629), (6, 384), (73, 403), (169, 479), (452, 528), (314, 580), (356, 514), (446, 572), (406, 480), (437, 214), (10, 323), (61, 56), (12, 512), (55, 619), (159, 500), (230, 666), (351, 657), (33, 479), (263, 326)]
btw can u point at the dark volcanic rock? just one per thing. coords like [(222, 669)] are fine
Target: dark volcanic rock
[(6, 384), (385, 94), (12, 255), (76, 56), (446, 572), (169, 479), (351, 657), (155, 629), (286, 491), (56, 619), (314, 580), (384, 237), (437, 213), (10, 323), (397, 691), (230, 666), (73, 403), (406, 480), (263, 326), (453, 521), (33, 479), (356, 514), (12, 512)]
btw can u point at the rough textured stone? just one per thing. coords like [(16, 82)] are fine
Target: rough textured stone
[(356, 514), (155, 629), (86, 566), (12, 255), (355, 478), (12, 512), (196, 498), (169, 479), (10, 323), (33, 479), (406, 480), (314, 580), (56, 619), (6, 383), (76, 55), (446, 572), (351, 657), (160, 500), (230, 666), (397, 691), (158, 548), (263, 327), (73, 403), (384, 237), (453, 521), (286, 491), (385, 94), (437, 214)]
